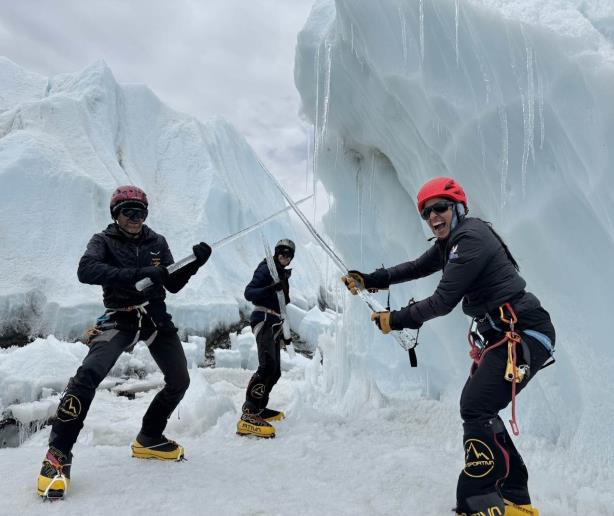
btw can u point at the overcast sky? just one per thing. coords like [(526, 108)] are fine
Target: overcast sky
[(232, 58)]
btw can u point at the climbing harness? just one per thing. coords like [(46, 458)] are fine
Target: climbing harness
[(514, 373), (104, 323)]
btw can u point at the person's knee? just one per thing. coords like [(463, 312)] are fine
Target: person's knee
[(266, 370), (486, 425), (178, 383), (472, 409), (86, 380), (472, 414)]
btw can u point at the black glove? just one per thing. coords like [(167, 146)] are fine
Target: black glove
[(378, 279), (158, 275), (286, 342), (202, 252), (277, 287)]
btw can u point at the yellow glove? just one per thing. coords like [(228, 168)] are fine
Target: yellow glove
[(353, 281), (382, 321)]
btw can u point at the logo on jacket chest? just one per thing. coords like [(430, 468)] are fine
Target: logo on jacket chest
[(453, 253), (155, 258)]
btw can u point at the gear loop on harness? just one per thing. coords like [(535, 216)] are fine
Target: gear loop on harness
[(103, 324), (513, 373)]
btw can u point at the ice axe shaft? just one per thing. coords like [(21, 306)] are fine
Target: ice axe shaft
[(146, 282), (403, 337)]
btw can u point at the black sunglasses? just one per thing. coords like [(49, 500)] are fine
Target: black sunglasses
[(286, 254), (438, 207), (134, 214)]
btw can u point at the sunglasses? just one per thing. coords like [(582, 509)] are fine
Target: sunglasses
[(134, 214), (286, 254), (438, 207)]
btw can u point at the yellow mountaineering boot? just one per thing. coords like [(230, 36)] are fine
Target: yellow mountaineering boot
[(161, 448), (54, 477), (251, 424), (272, 415), (512, 509)]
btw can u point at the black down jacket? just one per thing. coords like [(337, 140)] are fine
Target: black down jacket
[(477, 270), (114, 261), (260, 289)]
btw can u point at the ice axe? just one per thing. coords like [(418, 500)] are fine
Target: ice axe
[(146, 282), (407, 341)]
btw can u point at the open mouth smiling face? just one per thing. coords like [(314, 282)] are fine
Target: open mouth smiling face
[(438, 212)]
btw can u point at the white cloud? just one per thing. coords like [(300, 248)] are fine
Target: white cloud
[(233, 58)]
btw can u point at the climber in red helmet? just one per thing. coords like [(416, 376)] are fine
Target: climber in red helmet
[(124, 253), (514, 339)]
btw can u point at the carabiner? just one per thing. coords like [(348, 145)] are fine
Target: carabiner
[(512, 315)]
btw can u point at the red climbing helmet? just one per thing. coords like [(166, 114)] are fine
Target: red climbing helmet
[(441, 187), (127, 194)]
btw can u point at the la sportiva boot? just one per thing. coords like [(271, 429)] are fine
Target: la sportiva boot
[(253, 424), (272, 415), (161, 448), (54, 477), (512, 509), (489, 504)]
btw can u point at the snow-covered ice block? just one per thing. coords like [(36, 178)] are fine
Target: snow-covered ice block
[(195, 350), (227, 358), (314, 324), (295, 315)]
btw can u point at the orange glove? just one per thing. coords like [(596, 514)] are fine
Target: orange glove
[(382, 321), (354, 281)]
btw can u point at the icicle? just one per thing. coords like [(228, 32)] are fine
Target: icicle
[(316, 143), (504, 162), (528, 119), (329, 66), (315, 198), (321, 118), (360, 211), (371, 178), (403, 33), (309, 162), (456, 13), (422, 31), (540, 106), (531, 98)]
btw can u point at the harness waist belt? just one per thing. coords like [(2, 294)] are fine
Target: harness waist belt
[(128, 308), (542, 339), (264, 309)]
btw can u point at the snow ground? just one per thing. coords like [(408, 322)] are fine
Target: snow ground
[(398, 455)]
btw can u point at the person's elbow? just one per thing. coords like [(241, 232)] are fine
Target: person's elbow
[(249, 294), (84, 274), (441, 306)]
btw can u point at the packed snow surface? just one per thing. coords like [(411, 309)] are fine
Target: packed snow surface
[(393, 455)]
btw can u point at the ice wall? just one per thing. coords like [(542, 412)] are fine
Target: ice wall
[(66, 142), (514, 99)]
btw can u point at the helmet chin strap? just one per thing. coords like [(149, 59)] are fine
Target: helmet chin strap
[(458, 214)]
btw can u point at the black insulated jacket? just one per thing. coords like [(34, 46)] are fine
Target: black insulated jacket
[(260, 290), (115, 261), (476, 270)]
